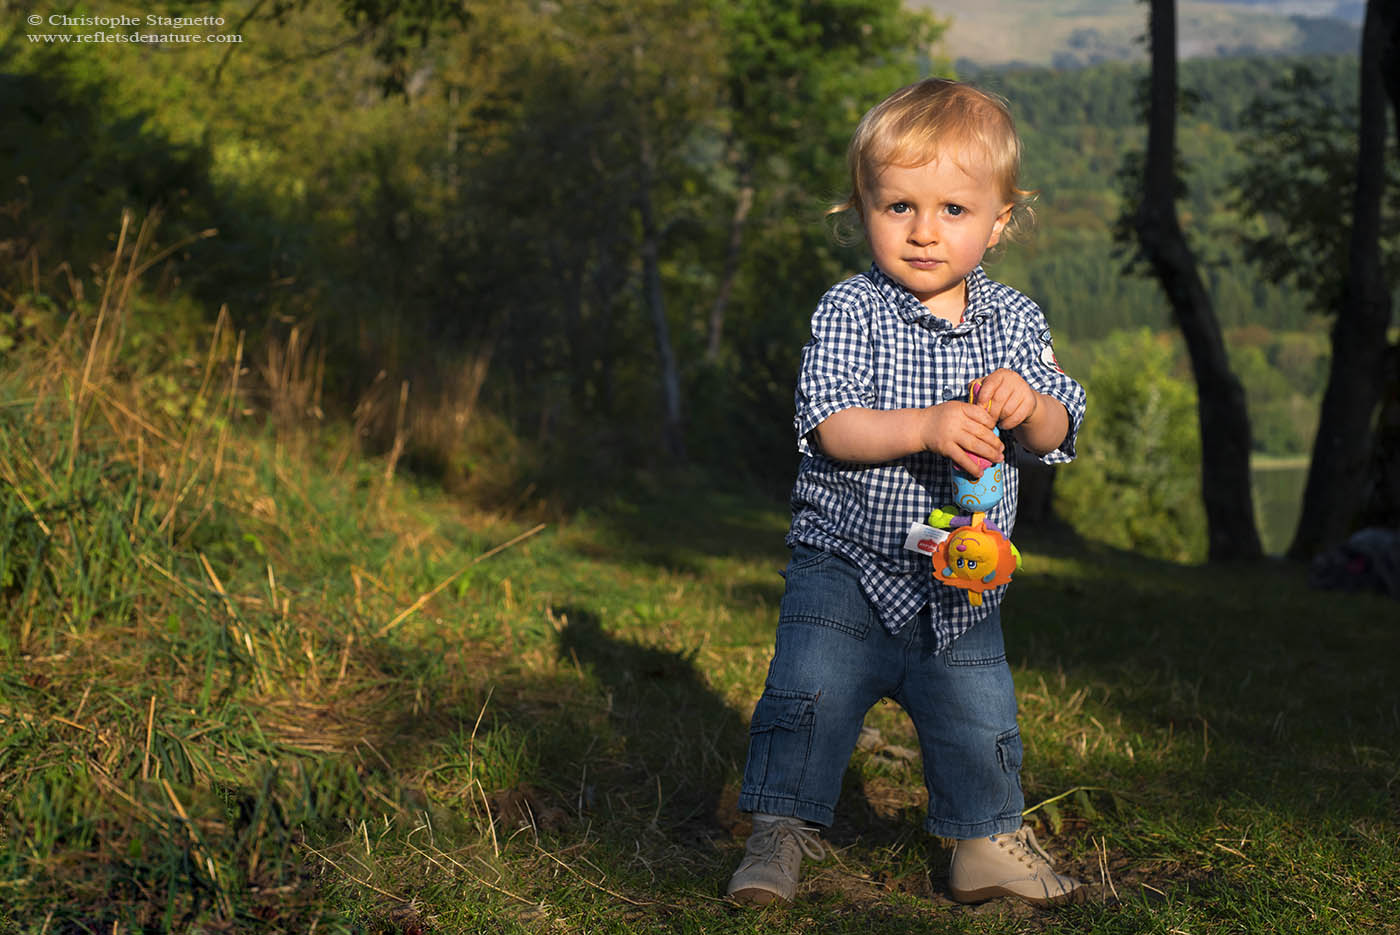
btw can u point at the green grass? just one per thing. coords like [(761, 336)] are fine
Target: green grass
[(225, 704), (1278, 495)]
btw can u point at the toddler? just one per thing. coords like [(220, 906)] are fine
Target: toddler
[(882, 418)]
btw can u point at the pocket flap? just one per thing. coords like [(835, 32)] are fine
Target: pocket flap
[(782, 710)]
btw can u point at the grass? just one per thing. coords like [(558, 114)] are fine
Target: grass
[(252, 681)]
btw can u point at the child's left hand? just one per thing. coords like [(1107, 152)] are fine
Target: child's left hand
[(1007, 396)]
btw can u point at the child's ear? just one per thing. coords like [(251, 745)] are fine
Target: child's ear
[(1002, 220)]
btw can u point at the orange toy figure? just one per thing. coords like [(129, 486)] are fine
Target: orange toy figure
[(975, 557)]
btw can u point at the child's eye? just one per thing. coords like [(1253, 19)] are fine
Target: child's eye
[(956, 210), (900, 207)]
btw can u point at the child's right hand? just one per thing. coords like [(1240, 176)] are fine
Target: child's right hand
[(963, 433)]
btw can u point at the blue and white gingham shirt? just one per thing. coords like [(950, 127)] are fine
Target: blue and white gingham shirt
[(874, 345)]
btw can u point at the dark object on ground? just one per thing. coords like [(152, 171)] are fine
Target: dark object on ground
[(1368, 561)]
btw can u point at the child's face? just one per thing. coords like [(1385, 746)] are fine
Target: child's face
[(929, 226)]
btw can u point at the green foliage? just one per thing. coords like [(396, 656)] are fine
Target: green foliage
[(490, 205), (800, 75), (484, 218), (1297, 189), (1283, 375), (73, 152), (1079, 125), (1136, 483), (403, 26)]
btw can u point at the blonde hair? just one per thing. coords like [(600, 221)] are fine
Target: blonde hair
[(933, 118)]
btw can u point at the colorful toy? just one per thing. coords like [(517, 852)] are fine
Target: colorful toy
[(975, 556)]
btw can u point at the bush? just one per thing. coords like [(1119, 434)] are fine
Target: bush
[(1137, 482)]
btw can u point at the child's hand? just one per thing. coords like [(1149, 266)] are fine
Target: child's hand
[(962, 433), (1007, 397)]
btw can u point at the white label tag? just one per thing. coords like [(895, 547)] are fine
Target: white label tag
[(923, 538)]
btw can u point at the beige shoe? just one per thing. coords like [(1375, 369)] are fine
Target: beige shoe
[(772, 861), (1009, 865)]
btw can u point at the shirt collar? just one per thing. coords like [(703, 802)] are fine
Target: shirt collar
[(979, 304)]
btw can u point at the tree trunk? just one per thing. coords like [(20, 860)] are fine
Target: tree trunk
[(733, 253), (1225, 438), (1383, 492), (672, 429), (1337, 476)]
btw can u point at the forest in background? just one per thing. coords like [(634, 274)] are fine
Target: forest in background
[(541, 245)]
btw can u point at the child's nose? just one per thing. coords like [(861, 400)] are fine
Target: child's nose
[(925, 231)]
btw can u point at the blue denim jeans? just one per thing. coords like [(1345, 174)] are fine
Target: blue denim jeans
[(834, 660)]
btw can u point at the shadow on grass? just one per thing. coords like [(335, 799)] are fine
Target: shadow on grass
[(678, 752), (1232, 680), (675, 741), (686, 527)]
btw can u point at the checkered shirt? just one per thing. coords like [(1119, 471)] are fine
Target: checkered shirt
[(874, 345)]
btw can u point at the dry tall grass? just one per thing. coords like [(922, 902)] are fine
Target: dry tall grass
[(191, 687)]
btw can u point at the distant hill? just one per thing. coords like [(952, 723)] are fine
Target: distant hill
[(1072, 33)]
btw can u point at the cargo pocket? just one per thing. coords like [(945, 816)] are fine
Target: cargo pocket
[(1009, 756), (780, 741), (1009, 750)]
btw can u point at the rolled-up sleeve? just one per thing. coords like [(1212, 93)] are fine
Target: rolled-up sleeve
[(1035, 360), (836, 371)]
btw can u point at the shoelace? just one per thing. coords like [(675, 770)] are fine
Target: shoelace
[(1026, 848), (770, 836)]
